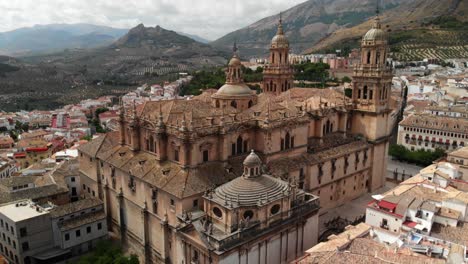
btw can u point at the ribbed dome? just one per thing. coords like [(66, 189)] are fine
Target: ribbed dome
[(280, 40), (238, 89), (374, 34), (244, 191), (235, 61), (252, 160)]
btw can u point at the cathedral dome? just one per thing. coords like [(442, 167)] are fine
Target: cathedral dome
[(375, 33), (235, 89), (252, 159), (252, 186), (235, 61), (247, 191), (280, 40)]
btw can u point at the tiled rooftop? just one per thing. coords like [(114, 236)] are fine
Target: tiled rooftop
[(75, 207)]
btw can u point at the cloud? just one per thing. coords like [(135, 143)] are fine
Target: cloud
[(207, 18)]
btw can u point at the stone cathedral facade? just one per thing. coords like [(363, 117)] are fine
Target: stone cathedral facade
[(232, 176)]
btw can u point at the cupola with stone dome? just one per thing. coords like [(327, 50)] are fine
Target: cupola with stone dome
[(253, 198), (376, 33), (234, 93)]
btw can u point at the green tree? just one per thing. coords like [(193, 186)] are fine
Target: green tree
[(346, 79), (100, 111), (348, 92), (107, 252), (419, 157)]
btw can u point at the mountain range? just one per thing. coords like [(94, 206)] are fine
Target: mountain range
[(304, 24), (417, 29), (326, 25), (142, 55), (51, 38)]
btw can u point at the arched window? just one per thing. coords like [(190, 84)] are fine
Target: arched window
[(364, 94), (271, 85), (327, 130), (239, 145), (250, 103), (287, 141), (273, 58), (280, 59), (234, 104), (217, 103), (368, 57), (377, 58), (151, 144), (371, 94)]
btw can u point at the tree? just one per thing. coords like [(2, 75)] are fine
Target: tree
[(348, 92), (419, 157), (107, 252), (346, 79), (87, 137), (100, 111)]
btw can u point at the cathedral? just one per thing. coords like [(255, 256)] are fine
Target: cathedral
[(232, 176)]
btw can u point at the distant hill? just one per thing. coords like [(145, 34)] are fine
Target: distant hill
[(143, 55), (56, 37), (417, 29), (304, 24), (194, 37)]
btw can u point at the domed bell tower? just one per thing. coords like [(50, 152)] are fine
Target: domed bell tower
[(372, 81), (278, 74), (234, 93)]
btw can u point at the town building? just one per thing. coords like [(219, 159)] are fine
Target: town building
[(32, 151), (7, 167), (460, 158), (172, 162), (45, 233), (426, 213), (6, 142), (429, 131), (357, 244)]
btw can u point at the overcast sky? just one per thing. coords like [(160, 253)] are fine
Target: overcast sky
[(207, 18)]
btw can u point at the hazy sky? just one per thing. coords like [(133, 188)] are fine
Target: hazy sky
[(207, 18)]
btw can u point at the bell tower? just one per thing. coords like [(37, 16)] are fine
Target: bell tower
[(372, 77), (278, 73), (372, 81)]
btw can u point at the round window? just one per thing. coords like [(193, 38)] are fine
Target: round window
[(217, 212), (248, 214), (275, 209)]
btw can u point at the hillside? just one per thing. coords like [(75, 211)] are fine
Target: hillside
[(418, 29), (144, 54), (56, 37), (304, 24)]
